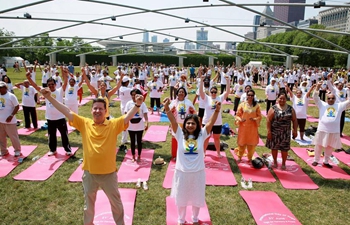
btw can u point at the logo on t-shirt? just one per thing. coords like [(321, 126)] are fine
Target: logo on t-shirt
[(300, 102), (272, 90), (70, 91), (26, 92), (181, 108), (213, 105), (2, 103), (154, 86), (191, 147), (341, 94), (137, 114), (330, 112), (240, 89)]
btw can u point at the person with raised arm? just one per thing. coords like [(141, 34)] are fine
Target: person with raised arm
[(209, 106), (71, 91), (99, 138), (188, 186), (327, 136), (101, 91), (55, 119), (300, 105)]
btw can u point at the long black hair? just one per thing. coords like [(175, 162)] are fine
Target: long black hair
[(198, 128), (254, 101), (181, 88)]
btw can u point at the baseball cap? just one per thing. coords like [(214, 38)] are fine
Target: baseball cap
[(3, 84), (126, 79)]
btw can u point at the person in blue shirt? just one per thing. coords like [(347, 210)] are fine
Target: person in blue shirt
[(192, 74), (71, 68)]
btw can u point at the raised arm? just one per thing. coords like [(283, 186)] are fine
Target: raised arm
[(133, 111), (310, 91), (116, 88), (58, 105), (24, 65), (29, 78), (201, 85), (228, 87), (173, 123), (213, 117), (290, 92), (87, 81), (65, 76)]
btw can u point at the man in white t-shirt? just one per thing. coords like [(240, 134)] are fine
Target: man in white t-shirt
[(155, 88), (8, 123), (55, 119), (327, 135), (271, 92), (29, 95)]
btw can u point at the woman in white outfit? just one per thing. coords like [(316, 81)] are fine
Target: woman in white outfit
[(189, 178)]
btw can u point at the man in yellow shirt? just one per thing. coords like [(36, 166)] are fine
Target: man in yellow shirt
[(99, 138)]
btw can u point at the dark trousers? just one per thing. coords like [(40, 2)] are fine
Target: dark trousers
[(236, 103), (322, 95), (223, 88), (142, 83), (61, 126), (342, 121), (138, 136), (30, 112), (291, 85), (172, 92), (269, 103)]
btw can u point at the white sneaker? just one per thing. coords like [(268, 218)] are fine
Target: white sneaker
[(68, 153), (17, 153), (51, 153), (138, 184), (145, 186), (4, 154), (250, 183), (243, 184)]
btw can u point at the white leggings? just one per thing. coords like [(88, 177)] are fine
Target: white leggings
[(182, 213), (327, 153)]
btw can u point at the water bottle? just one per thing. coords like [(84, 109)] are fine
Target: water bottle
[(35, 158), (250, 183), (20, 160)]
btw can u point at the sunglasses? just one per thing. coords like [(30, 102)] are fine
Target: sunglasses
[(213, 92), (250, 95), (330, 98)]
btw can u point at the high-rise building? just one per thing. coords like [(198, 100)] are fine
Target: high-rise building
[(289, 13), (189, 45), (264, 30), (154, 39), (145, 37), (165, 40), (335, 19), (202, 36)]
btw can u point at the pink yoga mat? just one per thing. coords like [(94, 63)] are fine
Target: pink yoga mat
[(130, 172), (26, 131), (44, 167), (327, 173), (232, 113), (43, 107), (263, 113), (116, 99), (156, 133), (311, 104), (103, 212), (267, 208), (168, 179), (9, 162), (218, 171), (227, 102), (84, 101), (342, 157), (153, 118), (345, 140), (294, 177), (171, 214), (312, 119), (77, 175), (249, 172)]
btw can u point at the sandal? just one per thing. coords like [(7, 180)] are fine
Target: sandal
[(290, 158)]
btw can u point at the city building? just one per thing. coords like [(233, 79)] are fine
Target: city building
[(264, 30), (145, 37), (256, 22), (154, 39), (202, 36), (189, 45), (249, 36), (289, 13), (165, 40), (307, 23), (335, 18)]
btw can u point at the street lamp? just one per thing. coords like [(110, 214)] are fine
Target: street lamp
[(27, 15)]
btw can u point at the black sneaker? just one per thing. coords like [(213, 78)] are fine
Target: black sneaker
[(327, 165)]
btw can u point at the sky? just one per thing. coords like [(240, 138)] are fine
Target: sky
[(86, 11)]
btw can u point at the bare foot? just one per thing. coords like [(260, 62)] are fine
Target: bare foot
[(283, 167), (219, 156), (139, 159), (275, 165)]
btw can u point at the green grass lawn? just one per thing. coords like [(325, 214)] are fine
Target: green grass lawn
[(56, 201)]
